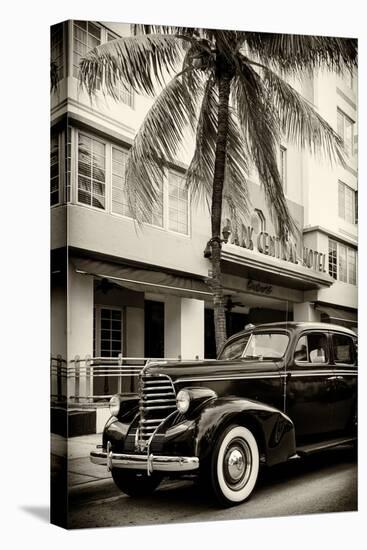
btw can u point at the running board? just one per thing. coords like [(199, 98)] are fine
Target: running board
[(315, 447)]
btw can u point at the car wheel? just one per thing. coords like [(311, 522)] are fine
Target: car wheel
[(234, 466), (135, 484)]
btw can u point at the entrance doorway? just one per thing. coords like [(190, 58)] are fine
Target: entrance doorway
[(153, 329)]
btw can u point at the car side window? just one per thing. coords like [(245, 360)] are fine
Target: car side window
[(312, 348), (343, 349)]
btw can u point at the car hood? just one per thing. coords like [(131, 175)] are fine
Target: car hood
[(193, 369)]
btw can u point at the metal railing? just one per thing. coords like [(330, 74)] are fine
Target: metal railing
[(96, 379)]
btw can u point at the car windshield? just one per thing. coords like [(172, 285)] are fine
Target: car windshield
[(234, 349), (269, 345)]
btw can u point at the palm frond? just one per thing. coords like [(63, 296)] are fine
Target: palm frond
[(300, 123), (199, 176), (295, 53), (159, 138), (235, 190), (163, 29), (261, 132), (140, 62)]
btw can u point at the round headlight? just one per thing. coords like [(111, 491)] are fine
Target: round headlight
[(183, 401), (114, 405)]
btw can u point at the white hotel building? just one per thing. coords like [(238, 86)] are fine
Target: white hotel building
[(118, 288)]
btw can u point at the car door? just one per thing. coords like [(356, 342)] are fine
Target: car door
[(344, 354), (310, 386)]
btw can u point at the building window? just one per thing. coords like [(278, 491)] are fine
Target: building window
[(57, 49), (352, 266), (55, 170), (120, 204), (283, 167), (356, 207), (333, 252), (347, 203), (345, 128), (107, 324), (178, 204), (122, 94), (100, 182), (87, 35), (91, 171), (67, 197), (342, 262)]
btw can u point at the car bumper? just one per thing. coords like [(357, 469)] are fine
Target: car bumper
[(149, 463)]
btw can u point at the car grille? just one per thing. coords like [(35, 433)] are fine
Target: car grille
[(157, 401)]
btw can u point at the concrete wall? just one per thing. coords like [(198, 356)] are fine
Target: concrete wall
[(59, 231), (102, 232), (321, 202)]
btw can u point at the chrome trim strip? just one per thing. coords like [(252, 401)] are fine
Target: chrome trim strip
[(153, 420), (155, 408), (144, 462), (146, 401), (239, 377), (263, 376)]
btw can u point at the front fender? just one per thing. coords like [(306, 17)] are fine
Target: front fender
[(273, 430)]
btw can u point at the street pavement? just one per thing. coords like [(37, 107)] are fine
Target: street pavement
[(324, 482), (77, 449)]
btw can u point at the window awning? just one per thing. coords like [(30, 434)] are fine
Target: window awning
[(338, 315), (143, 280)]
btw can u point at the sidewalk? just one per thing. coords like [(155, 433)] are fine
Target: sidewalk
[(80, 468)]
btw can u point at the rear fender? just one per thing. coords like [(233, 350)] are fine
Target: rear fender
[(273, 430)]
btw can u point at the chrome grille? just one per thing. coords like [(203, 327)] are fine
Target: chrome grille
[(157, 401)]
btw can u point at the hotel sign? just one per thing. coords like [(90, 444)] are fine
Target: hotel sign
[(259, 287), (271, 245), (314, 260)]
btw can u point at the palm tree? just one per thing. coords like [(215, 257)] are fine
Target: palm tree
[(229, 89)]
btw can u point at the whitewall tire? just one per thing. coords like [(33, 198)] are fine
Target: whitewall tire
[(235, 465)]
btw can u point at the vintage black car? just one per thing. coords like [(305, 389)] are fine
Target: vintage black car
[(276, 392)]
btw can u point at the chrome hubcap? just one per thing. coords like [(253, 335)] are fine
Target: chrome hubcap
[(237, 464)]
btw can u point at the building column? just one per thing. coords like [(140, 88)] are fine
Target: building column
[(134, 332), (305, 312), (80, 330), (183, 328)]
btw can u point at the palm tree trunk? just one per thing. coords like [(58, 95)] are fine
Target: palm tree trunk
[(216, 211)]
